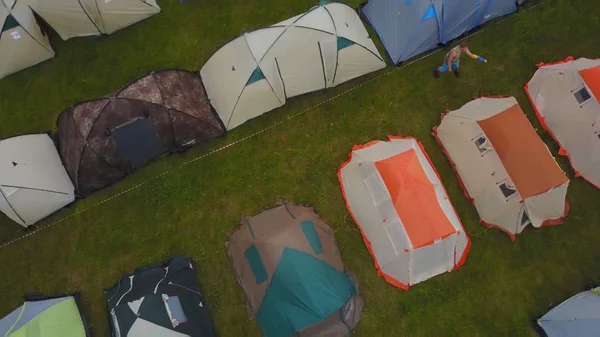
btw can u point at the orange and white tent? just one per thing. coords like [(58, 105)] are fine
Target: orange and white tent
[(504, 167), (565, 99), (397, 199)]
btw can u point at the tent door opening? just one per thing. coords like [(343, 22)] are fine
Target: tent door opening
[(302, 71), (137, 141)]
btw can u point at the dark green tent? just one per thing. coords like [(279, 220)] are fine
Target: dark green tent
[(159, 301)]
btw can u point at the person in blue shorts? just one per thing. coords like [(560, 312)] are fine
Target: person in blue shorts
[(452, 59)]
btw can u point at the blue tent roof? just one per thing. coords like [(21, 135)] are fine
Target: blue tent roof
[(408, 28), (304, 291), (578, 316)]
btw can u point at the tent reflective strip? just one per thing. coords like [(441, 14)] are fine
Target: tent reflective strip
[(17, 320)]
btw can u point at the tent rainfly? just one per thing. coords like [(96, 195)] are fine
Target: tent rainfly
[(575, 317), (260, 70), (22, 42), (159, 301), (33, 180), (401, 207), (45, 317), (565, 99), (73, 18), (408, 28), (103, 140), (505, 169), (287, 261)]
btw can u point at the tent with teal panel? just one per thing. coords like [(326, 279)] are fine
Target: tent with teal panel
[(45, 317), (410, 27), (258, 71), (287, 262)]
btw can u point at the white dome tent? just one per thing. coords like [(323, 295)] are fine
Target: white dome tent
[(258, 71), (22, 42), (74, 18), (33, 181)]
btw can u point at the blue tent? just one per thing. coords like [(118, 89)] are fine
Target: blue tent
[(410, 27), (579, 316)]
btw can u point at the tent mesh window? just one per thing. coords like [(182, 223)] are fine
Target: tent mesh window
[(507, 190), (102, 140), (582, 95), (524, 218), (482, 144), (137, 141)]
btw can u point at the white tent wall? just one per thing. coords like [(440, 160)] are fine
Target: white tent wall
[(70, 18), (551, 91), (457, 136), (258, 71), (481, 172), (118, 14), (435, 259), (549, 205), (371, 205), (33, 181), (25, 44), (76, 18), (374, 212)]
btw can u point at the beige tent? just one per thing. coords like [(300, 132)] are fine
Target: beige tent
[(505, 168), (287, 261), (73, 18), (22, 42), (400, 205), (257, 72), (565, 98), (33, 180)]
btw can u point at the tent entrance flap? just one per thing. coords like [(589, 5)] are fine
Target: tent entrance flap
[(137, 141)]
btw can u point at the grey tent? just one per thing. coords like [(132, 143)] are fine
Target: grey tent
[(408, 28), (45, 317), (22, 42), (159, 301), (579, 316), (103, 140), (33, 180)]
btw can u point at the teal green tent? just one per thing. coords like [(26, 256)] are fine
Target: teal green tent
[(288, 264), (49, 317)]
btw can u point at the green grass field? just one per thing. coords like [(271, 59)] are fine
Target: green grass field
[(193, 209)]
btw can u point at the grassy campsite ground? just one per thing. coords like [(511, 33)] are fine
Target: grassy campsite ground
[(193, 209)]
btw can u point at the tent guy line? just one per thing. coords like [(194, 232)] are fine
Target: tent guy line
[(212, 152)]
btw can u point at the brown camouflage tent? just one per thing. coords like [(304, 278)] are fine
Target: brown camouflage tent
[(102, 140), (287, 261)]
